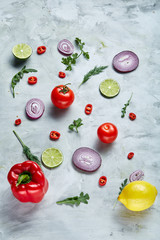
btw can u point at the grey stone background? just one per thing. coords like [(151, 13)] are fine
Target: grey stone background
[(120, 25)]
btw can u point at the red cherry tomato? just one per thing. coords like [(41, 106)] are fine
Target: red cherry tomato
[(18, 122), (54, 135), (132, 116), (62, 96), (32, 80), (62, 74), (130, 155), (107, 132), (102, 180), (41, 49)]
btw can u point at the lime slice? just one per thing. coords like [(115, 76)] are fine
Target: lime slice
[(22, 51), (52, 157), (109, 88)]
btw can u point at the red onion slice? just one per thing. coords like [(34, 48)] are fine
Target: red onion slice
[(65, 47), (136, 176), (34, 108), (125, 61), (86, 159)]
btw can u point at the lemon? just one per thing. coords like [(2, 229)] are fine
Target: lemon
[(138, 195), (52, 157), (109, 88), (22, 51)]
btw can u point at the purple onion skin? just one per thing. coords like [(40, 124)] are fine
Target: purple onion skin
[(83, 156), (136, 176), (64, 52)]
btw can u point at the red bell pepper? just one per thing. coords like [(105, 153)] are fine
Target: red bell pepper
[(28, 183)]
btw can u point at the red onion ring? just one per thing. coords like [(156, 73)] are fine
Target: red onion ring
[(125, 61), (65, 47), (136, 176), (35, 108), (86, 159)]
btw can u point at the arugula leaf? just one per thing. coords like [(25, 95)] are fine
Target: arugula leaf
[(71, 60), (16, 78), (76, 200), (96, 70), (125, 106), (75, 125)]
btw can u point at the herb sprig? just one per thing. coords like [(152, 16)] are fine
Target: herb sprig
[(96, 70), (123, 185), (75, 125), (19, 76), (83, 198), (125, 106), (71, 60), (27, 151)]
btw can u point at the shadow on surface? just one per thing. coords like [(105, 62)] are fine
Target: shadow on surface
[(57, 113), (102, 147), (17, 63)]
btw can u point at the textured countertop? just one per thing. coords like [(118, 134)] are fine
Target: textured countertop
[(107, 27)]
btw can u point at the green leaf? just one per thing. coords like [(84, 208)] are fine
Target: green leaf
[(96, 70), (123, 111), (75, 200), (75, 125)]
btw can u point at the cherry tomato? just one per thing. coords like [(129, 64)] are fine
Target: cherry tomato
[(54, 135), (107, 132), (62, 96), (18, 121), (132, 116), (62, 74), (102, 180), (32, 80)]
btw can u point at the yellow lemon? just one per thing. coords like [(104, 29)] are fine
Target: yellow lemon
[(138, 195)]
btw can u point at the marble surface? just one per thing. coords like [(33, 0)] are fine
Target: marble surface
[(120, 25)]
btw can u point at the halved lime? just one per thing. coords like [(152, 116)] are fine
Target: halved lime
[(22, 51), (109, 88), (52, 157)]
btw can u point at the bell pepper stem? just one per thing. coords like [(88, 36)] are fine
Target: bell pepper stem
[(24, 178), (19, 138)]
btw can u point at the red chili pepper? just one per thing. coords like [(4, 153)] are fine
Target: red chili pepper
[(102, 180), (88, 109), (54, 135), (18, 121), (28, 183), (41, 49), (132, 116), (62, 74), (32, 80), (130, 155)]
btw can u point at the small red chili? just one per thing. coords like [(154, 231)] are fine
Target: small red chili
[(88, 109), (130, 155), (102, 180), (18, 122), (54, 135), (32, 80), (62, 74), (41, 49), (132, 116)]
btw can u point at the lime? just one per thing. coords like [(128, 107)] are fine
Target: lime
[(52, 157), (109, 88), (22, 51)]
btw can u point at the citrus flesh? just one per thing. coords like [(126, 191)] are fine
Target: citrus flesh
[(22, 51), (138, 195), (109, 88), (52, 157)]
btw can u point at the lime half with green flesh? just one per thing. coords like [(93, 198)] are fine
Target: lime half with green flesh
[(109, 88), (52, 157), (22, 51)]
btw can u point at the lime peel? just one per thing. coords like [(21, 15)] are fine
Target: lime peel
[(22, 51)]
